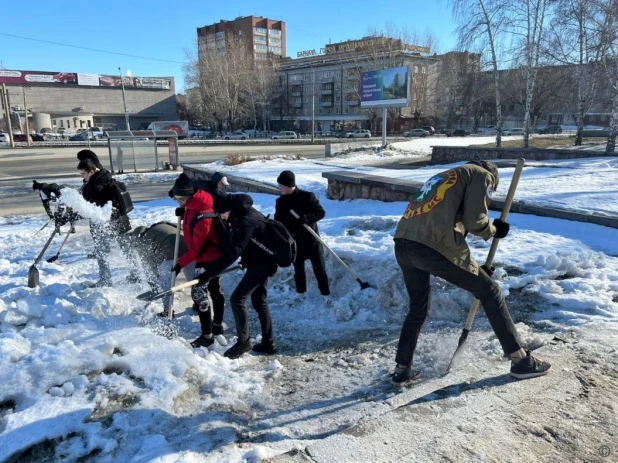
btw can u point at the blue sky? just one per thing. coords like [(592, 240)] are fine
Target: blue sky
[(164, 30)]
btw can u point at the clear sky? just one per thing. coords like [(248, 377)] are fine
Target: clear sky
[(165, 29)]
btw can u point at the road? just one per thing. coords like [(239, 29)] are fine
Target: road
[(18, 167)]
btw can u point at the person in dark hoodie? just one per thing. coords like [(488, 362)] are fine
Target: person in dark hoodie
[(202, 241), (430, 240), (97, 189), (50, 192), (310, 211), (247, 236)]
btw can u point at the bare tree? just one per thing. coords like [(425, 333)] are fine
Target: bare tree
[(480, 23)]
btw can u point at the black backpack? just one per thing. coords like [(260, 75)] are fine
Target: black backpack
[(121, 199), (279, 243), (225, 235)]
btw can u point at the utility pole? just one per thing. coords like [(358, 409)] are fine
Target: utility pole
[(26, 117), (124, 100), (7, 114), (313, 105)]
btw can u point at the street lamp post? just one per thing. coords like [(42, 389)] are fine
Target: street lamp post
[(124, 100)]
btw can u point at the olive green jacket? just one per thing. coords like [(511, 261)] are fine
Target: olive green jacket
[(446, 208)]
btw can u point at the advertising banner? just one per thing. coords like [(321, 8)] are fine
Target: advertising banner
[(114, 81), (385, 88), (28, 77), (153, 82), (88, 79)]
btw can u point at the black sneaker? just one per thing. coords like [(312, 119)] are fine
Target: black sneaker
[(166, 314), (217, 330), (238, 349), (264, 348), (403, 375), (529, 367), (202, 341)]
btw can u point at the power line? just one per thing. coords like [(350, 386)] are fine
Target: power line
[(91, 49)]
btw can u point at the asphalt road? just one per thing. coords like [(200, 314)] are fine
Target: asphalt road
[(19, 166)]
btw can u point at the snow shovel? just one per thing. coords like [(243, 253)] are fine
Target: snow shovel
[(363, 284), (33, 273), (490, 258), (152, 296), (176, 246), (44, 226), (53, 259)]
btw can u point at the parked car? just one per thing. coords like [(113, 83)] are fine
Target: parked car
[(341, 134), (82, 136), (236, 135), (429, 129), (22, 138), (416, 133), (458, 133), (37, 137), (4, 138), (359, 133), (516, 131), (96, 133), (550, 129), (446, 132), (285, 134)]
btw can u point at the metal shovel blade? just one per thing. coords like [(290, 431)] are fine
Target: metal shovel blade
[(53, 259), (152, 295), (33, 277)]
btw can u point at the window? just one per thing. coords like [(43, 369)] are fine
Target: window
[(61, 123), (274, 31), (261, 47), (415, 69), (338, 74), (260, 30), (275, 49), (338, 98), (424, 69), (259, 39), (68, 123), (307, 88), (81, 124), (307, 100), (295, 77), (307, 76), (220, 34), (54, 122), (274, 40), (89, 124)]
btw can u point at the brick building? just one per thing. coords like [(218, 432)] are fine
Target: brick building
[(263, 37)]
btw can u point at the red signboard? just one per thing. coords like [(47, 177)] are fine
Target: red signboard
[(37, 77), (173, 150)]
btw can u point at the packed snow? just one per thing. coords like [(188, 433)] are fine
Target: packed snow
[(88, 374)]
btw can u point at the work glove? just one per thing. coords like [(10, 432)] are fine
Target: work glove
[(502, 228), (180, 211), (177, 268), (488, 270)]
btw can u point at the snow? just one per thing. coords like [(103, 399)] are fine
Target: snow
[(74, 200), (86, 373)]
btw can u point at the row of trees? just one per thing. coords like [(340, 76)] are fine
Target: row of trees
[(534, 35)]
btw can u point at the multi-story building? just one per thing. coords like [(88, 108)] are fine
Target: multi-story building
[(326, 86), (263, 37)]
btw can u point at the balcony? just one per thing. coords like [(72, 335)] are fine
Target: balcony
[(352, 102), (329, 91), (297, 105), (326, 104)]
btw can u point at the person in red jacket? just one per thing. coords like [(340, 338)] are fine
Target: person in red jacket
[(201, 237)]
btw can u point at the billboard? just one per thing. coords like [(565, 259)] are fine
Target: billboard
[(29, 77), (88, 79), (385, 87)]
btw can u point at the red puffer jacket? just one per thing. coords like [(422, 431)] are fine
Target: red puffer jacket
[(203, 231)]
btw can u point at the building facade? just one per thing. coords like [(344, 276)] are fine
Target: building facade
[(73, 101), (263, 37), (326, 86)]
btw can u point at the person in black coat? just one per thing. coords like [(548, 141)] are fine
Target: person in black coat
[(245, 238), (97, 189), (309, 210)]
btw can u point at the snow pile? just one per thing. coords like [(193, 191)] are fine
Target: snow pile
[(76, 201)]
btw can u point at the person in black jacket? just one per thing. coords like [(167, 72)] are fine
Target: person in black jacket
[(50, 192), (309, 210), (247, 234), (97, 189)]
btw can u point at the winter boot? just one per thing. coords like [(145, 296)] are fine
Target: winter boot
[(238, 349), (72, 230), (403, 375), (529, 367), (300, 298), (204, 340), (265, 348), (328, 301)]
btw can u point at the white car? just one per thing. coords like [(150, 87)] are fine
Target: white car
[(4, 138), (359, 133), (416, 133), (517, 131), (237, 135), (285, 135)]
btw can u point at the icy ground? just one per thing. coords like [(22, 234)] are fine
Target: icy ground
[(87, 376)]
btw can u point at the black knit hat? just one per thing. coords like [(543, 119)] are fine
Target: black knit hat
[(287, 178), (83, 155), (217, 177), (183, 186)]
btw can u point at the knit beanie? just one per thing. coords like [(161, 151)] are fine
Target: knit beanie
[(89, 154), (218, 177), (183, 186), (287, 178)]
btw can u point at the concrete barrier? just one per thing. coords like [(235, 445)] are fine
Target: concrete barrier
[(450, 154), (199, 174)]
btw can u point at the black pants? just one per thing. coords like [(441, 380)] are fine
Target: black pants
[(103, 236), (315, 255), (253, 284), (417, 263), (217, 301)]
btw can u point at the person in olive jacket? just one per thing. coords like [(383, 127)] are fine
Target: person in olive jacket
[(97, 189), (310, 211), (430, 240)]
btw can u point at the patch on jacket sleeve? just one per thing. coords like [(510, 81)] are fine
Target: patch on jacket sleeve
[(431, 194)]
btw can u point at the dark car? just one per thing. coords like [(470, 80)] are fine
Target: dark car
[(22, 137), (458, 133), (429, 129), (551, 129), (37, 137)]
